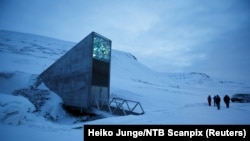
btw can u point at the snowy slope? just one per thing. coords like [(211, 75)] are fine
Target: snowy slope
[(167, 98), (36, 52)]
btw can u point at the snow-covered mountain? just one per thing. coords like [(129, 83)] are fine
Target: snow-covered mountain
[(167, 98)]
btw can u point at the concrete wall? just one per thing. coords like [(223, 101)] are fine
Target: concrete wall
[(70, 75)]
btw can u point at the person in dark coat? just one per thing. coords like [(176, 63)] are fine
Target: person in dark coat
[(227, 100), (209, 99), (217, 100), (214, 98)]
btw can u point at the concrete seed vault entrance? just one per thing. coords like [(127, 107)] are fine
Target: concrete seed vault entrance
[(82, 75)]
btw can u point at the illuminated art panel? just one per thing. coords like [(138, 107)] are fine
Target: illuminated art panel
[(101, 49)]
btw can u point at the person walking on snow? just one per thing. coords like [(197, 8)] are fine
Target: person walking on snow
[(214, 98), (209, 99), (217, 100), (227, 100)]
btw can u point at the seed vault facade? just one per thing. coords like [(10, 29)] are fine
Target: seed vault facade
[(81, 77)]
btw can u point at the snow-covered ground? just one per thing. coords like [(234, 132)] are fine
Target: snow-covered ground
[(166, 98)]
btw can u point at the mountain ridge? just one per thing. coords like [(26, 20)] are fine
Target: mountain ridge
[(34, 53)]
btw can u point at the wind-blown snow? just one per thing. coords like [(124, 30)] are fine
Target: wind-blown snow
[(166, 98)]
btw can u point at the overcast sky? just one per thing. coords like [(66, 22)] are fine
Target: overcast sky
[(209, 36)]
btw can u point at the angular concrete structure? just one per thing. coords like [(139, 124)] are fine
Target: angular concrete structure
[(81, 77)]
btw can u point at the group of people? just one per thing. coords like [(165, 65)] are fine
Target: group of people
[(217, 100)]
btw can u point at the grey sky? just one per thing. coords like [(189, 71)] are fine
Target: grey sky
[(210, 36)]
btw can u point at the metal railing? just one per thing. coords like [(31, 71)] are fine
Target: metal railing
[(119, 105)]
